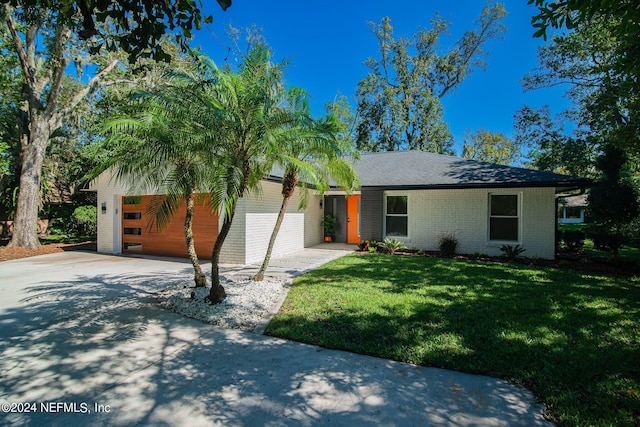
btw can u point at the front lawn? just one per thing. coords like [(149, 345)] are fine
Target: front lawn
[(573, 338)]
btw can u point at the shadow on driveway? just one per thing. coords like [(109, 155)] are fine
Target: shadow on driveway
[(85, 330)]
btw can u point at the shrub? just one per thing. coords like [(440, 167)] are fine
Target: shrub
[(366, 245), (573, 240), (59, 227), (392, 245), (448, 245), (606, 240), (86, 220), (512, 252)]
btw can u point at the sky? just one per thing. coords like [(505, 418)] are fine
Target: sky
[(326, 44)]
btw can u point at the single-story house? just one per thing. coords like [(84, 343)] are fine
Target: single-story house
[(412, 196), (572, 209)]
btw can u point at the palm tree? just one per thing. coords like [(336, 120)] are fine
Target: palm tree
[(157, 146), (311, 152), (247, 115)]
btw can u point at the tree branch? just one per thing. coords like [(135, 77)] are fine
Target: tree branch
[(56, 120), (20, 50), (58, 65)]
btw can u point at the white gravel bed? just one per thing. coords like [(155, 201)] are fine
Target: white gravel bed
[(247, 302)]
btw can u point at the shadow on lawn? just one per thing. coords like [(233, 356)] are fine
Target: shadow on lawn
[(572, 338)]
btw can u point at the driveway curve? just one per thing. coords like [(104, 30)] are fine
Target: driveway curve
[(83, 342)]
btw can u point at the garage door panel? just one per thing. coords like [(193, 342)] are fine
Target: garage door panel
[(140, 233)]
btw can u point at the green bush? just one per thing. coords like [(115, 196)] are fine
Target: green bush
[(59, 226), (511, 251), (366, 245), (392, 245), (605, 239), (86, 220), (573, 240), (448, 245)]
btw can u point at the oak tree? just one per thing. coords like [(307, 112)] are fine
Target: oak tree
[(133, 26), (399, 100), (492, 147), (44, 47)]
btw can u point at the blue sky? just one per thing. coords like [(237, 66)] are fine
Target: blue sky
[(326, 44)]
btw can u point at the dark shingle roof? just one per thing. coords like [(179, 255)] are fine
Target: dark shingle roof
[(418, 169), (578, 201)]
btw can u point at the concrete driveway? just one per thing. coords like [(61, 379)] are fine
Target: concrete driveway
[(83, 342)]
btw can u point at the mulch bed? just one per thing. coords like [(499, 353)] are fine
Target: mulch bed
[(7, 254)]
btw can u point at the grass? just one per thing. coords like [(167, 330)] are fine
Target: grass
[(627, 252), (572, 338)]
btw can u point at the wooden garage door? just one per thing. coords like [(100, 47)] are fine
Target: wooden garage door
[(140, 234)]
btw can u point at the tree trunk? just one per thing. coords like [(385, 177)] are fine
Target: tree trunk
[(288, 188), (217, 293), (199, 277), (25, 222)]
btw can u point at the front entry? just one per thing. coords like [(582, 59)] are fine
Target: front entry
[(353, 219)]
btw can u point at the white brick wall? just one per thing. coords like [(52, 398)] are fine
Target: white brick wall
[(233, 248), (254, 220), (259, 227), (252, 224), (465, 214), (313, 232), (110, 191)]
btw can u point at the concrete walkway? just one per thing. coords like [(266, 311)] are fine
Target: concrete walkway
[(295, 264), (83, 341)]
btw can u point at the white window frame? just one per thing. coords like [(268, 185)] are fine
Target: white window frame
[(385, 215), (518, 217)]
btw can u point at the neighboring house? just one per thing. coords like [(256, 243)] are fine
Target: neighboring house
[(571, 209), (412, 196)]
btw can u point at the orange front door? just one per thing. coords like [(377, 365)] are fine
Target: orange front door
[(353, 219)]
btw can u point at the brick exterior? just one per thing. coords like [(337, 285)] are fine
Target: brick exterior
[(110, 194), (462, 212), (465, 213), (252, 224)]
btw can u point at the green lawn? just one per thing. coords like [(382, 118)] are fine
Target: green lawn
[(572, 338), (627, 252)]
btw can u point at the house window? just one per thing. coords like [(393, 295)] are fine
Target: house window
[(132, 215), (397, 216), (132, 200), (504, 217), (572, 212)]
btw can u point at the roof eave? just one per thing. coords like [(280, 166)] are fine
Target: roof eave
[(558, 185)]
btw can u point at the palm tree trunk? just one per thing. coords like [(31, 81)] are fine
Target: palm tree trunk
[(199, 277), (217, 293), (288, 188)]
